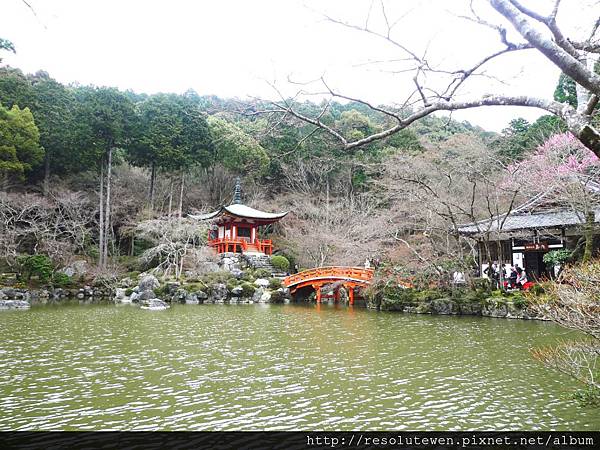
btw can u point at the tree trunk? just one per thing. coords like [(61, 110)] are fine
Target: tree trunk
[(101, 221), (170, 196), (327, 201), (588, 233), (107, 207), (180, 208), (46, 182), (152, 181)]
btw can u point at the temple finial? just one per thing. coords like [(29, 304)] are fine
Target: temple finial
[(237, 194)]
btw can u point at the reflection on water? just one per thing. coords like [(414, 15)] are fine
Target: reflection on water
[(272, 367)]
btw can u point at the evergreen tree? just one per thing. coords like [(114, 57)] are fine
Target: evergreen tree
[(20, 149)]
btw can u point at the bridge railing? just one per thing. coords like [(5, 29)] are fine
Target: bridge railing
[(333, 272)]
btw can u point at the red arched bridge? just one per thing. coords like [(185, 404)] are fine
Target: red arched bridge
[(348, 277)]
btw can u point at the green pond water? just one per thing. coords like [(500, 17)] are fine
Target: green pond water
[(277, 367)]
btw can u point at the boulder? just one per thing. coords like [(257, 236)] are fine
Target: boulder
[(120, 293), (262, 282), (218, 293), (68, 271), (207, 267), (443, 306), (146, 295), (237, 273), (180, 295), (154, 304), (80, 267), (149, 283), (265, 297), (201, 295), (237, 291), (134, 297), (8, 292), (257, 295), (173, 287), (14, 304), (230, 263), (191, 299)]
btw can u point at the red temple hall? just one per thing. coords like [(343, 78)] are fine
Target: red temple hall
[(235, 228)]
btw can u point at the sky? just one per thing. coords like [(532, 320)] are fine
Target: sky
[(242, 48)]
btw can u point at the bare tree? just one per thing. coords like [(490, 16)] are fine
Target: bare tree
[(59, 225), (435, 193), (172, 239), (574, 302), (536, 32)]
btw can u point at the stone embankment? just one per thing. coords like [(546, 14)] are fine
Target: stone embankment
[(44, 295), (489, 307)]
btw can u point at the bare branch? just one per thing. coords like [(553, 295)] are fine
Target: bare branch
[(562, 58)]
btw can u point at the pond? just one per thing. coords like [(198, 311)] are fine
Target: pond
[(277, 367)]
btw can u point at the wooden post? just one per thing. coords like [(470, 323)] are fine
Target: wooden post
[(318, 291), (336, 295), (351, 295)]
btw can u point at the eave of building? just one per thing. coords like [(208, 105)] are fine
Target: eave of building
[(241, 212), (515, 223)]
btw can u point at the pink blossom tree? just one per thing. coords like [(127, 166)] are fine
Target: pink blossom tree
[(565, 173)]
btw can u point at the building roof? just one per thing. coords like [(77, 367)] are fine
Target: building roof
[(540, 212), (526, 221), (243, 211)]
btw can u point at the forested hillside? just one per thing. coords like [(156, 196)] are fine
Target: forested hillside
[(82, 166)]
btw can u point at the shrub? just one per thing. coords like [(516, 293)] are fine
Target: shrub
[(555, 257), (519, 301), (537, 289), (134, 274), (162, 290), (588, 397), (35, 265), (216, 277), (231, 284), (193, 287), (482, 283), (262, 273), (398, 295), (277, 297), (60, 279), (248, 275), (274, 283), (128, 292), (248, 289), (280, 263), (428, 295)]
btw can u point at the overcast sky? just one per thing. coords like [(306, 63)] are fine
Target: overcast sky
[(237, 47)]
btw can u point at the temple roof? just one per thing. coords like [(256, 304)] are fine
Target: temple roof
[(526, 221), (243, 211), (540, 212)]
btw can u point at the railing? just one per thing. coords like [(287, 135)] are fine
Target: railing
[(333, 272), (223, 245), (265, 246)]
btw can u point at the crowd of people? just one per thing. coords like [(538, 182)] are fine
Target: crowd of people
[(517, 279)]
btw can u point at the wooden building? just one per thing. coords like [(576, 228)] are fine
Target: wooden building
[(526, 234), (237, 227)]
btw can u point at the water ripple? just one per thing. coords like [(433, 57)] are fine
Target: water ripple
[(276, 368)]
